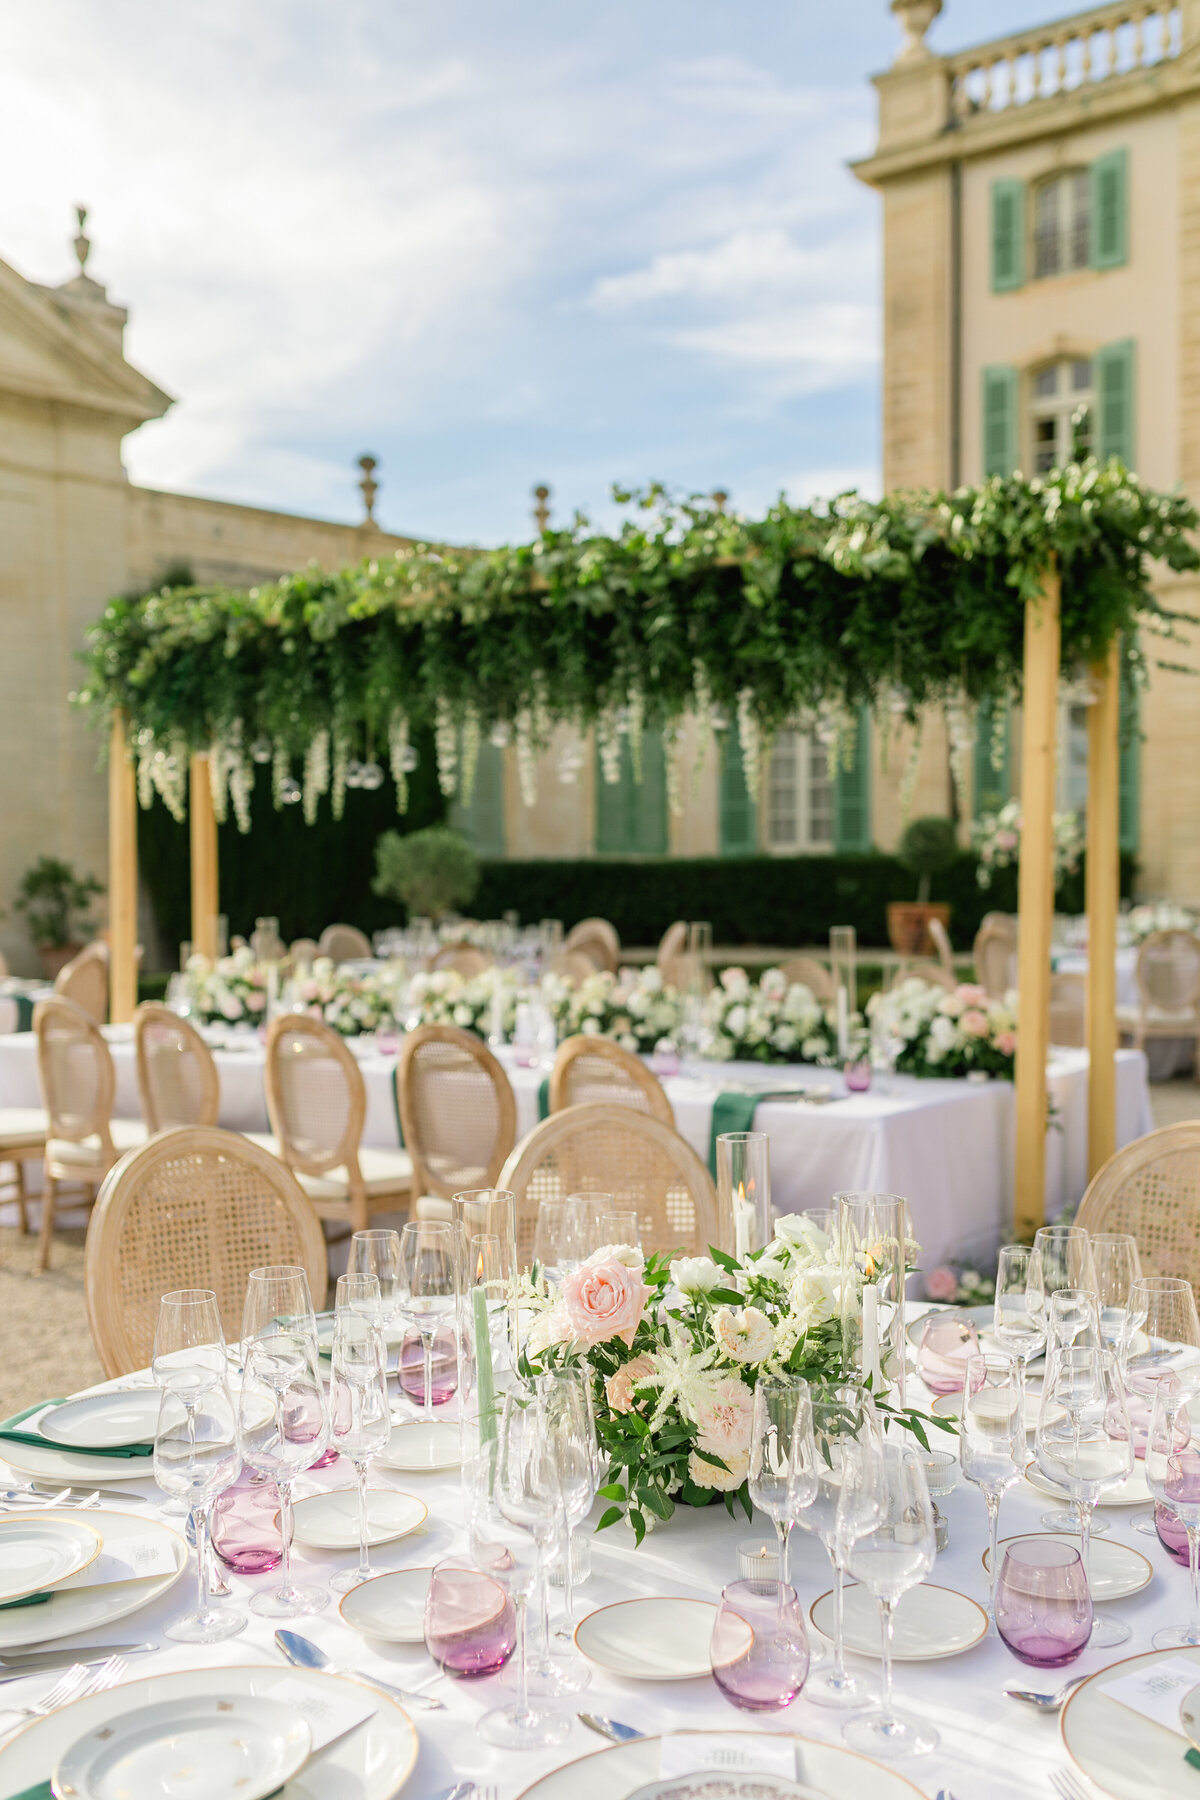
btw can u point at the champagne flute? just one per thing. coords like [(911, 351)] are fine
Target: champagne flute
[(1173, 1476), (377, 1252), (429, 1269), (781, 1431), (281, 1397), (196, 1458), (1021, 1331), (991, 1444), (1118, 1266), (359, 1417)]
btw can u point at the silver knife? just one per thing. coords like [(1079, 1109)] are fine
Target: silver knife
[(35, 1662), (114, 1494), (612, 1729)]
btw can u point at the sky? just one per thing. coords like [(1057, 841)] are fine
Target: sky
[(492, 242)]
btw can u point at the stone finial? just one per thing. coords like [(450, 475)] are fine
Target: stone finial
[(368, 487), (915, 16), (83, 243), (719, 499), (541, 512)]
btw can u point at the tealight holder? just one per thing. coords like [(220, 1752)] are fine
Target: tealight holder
[(758, 1560), (941, 1475)]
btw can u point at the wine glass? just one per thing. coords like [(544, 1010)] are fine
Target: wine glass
[(1021, 1331), (1173, 1476), (565, 1400), (1118, 1266), (991, 1443), (196, 1458), (1162, 1335), (359, 1417), (282, 1427), (781, 1431), (843, 1421), (886, 1539), (1083, 1444), (429, 1268), (377, 1253), (562, 1233), (1062, 1258), (362, 1295), (189, 1353), (1072, 1320), (617, 1225)]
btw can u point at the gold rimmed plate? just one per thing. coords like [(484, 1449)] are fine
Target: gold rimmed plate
[(1126, 1755), (663, 1638), (1116, 1570), (619, 1772), (929, 1622)]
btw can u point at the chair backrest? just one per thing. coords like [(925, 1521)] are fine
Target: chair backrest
[(316, 1098), (811, 974), (942, 944), (1151, 1189), (1068, 1009), (75, 1072), (177, 1077), (610, 1149), (995, 953), (600, 941), (1168, 971), (931, 972), (194, 1208), (671, 955), (577, 965), (85, 981), (588, 1069), (3, 966), (467, 960), (344, 943), (303, 950), (457, 1110)]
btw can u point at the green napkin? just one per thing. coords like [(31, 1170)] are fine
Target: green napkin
[(1193, 1757), (9, 1435), (24, 1011), (26, 1600), (733, 1111), (543, 1098), (394, 1091)]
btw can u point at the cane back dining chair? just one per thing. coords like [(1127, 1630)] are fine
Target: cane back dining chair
[(457, 1110), (1168, 985), (23, 1131), (177, 1077), (942, 945), (85, 981), (317, 1104), (196, 1207), (467, 960), (995, 954), (605, 1148), (671, 955), (345, 943), (1151, 1189), (594, 1068), (599, 940), (76, 1076), (809, 973), (1068, 1009), (578, 965)]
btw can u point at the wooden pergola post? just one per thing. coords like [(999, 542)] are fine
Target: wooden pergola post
[(203, 823), (1035, 898), (1103, 899), (122, 877)]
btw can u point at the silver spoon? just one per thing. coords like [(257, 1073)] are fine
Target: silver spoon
[(302, 1653), (1046, 1702)]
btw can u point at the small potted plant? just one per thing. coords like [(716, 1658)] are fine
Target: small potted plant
[(431, 871), (52, 896), (927, 847)]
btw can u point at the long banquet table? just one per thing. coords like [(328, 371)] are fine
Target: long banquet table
[(991, 1748), (946, 1145)]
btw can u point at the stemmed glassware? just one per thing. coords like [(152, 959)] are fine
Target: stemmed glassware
[(845, 1426), (377, 1252), (563, 1233), (1061, 1258), (991, 1443), (886, 1540), (359, 1417), (1173, 1476), (283, 1427), (1019, 1328), (617, 1225), (1118, 1266), (1162, 1335), (565, 1402), (189, 1353), (429, 1273), (782, 1474)]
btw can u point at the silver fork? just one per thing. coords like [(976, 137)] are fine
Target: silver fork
[(69, 1686), (489, 1791), (109, 1674), (1068, 1785)]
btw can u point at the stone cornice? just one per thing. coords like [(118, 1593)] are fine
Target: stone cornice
[(89, 369)]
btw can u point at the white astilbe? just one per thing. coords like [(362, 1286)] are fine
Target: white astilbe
[(281, 773), (398, 756), (908, 781), (445, 739), (636, 728), (680, 1375), (673, 763), (608, 745), (337, 778), (470, 755), (316, 774), (751, 740)]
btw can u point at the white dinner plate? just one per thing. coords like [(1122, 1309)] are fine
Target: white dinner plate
[(929, 1622), (1127, 1755), (618, 1772), (329, 1521), (1116, 1570), (207, 1748), (37, 1551), (103, 1421), (1132, 1491), (70, 1610), (417, 1447), (50, 1462), (657, 1639), (391, 1607), (372, 1762)]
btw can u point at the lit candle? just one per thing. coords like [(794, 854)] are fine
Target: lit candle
[(843, 1021), (743, 1222), (870, 1337), (483, 1366)]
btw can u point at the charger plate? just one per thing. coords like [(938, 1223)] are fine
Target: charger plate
[(70, 1610), (1117, 1570), (391, 1607), (930, 1622), (618, 1772), (39, 1550), (663, 1638), (210, 1747), (1128, 1756)]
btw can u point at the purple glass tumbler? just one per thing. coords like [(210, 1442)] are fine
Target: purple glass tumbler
[(244, 1525), (470, 1622), (759, 1647), (444, 1370), (947, 1341), (1043, 1607), (1171, 1534)]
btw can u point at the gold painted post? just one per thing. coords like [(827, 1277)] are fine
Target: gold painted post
[(203, 822), (1103, 898), (1035, 899), (122, 877)]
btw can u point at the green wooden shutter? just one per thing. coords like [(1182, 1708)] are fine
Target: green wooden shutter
[(999, 420), (1116, 411), (631, 816), (482, 820), (1109, 234), (1008, 235), (1130, 766), (852, 793), (739, 815), (992, 786)]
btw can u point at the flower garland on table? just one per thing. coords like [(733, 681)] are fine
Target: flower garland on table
[(444, 997), (635, 1007), (947, 1034), (233, 991), (674, 1349), (996, 837), (1158, 915), (775, 1021)]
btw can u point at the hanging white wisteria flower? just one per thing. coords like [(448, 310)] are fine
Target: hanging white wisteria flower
[(526, 757), (337, 779), (470, 755), (316, 774), (445, 740), (241, 786), (398, 757), (704, 722), (751, 740), (998, 744), (217, 780), (908, 781), (636, 727), (608, 745), (281, 773), (673, 765), (145, 774), (960, 730)]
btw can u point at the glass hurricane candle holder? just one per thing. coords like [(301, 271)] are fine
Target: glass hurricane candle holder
[(1043, 1607), (744, 1189), (759, 1648)]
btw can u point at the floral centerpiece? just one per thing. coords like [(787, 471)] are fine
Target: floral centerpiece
[(232, 990), (674, 1348), (773, 1021), (996, 837), (1158, 915), (350, 1003), (924, 1030), (476, 1003), (634, 1007)]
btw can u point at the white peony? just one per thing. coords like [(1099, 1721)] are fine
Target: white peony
[(725, 1481), (696, 1274), (747, 1335)]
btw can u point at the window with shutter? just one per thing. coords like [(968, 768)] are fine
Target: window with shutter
[(1008, 235), (999, 420), (481, 821), (739, 815), (993, 772), (1130, 766), (1110, 210), (1115, 402), (852, 792), (631, 816)]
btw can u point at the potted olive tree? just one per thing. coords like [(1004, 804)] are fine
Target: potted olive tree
[(52, 896), (432, 871), (927, 847)]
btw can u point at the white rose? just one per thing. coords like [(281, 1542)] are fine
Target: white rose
[(746, 1335), (696, 1274), (627, 1254), (813, 1297)]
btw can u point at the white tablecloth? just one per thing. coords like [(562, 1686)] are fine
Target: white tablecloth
[(991, 1748)]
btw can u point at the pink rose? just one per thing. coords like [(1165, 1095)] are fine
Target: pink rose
[(1007, 840), (942, 1284), (618, 1389), (1006, 1043), (605, 1300), (974, 1023), (971, 994)]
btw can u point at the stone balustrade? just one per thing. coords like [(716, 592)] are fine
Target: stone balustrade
[(1062, 57)]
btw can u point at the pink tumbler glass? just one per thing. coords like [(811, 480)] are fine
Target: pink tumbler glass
[(759, 1647)]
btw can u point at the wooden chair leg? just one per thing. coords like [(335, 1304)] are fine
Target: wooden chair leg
[(49, 1195), (22, 1197)]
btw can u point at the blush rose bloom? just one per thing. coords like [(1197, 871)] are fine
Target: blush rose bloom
[(746, 1335), (974, 1023), (618, 1388), (1006, 1043), (723, 1415), (942, 1284), (604, 1300)]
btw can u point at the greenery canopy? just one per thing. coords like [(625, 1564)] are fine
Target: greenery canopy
[(804, 615)]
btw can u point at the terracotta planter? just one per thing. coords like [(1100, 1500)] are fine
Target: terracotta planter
[(908, 925), (57, 956)]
